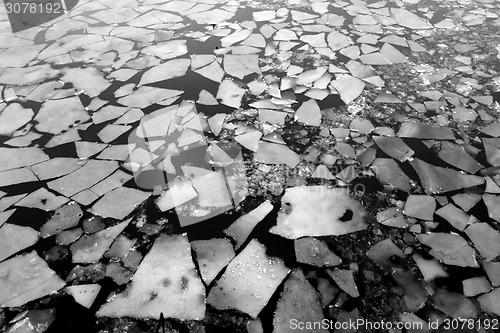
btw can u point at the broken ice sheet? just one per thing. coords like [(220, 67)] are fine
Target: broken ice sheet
[(330, 211), (5, 216), (214, 16), (273, 153), (485, 238), (212, 256), (437, 179), (311, 75), (492, 202), (312, 251), (180, 191), (309, 113), (337, 40), (348, 87), (120, 247), (408, 19), (17, 176), (86, 149), (415, 129), (119, 202), (491, 302), (89, 79), (466, 200), (63, 218), (455, 216), (230, 94), (145, 96), (115, 153), (299, 301), (240, 229), (206, 98), (13, 158), (27, 320), (90, 248), (450, 249), (394, 147), (56, 116), (56, 167), (212, 71), (392, 217), (385, 254), (167, 50), (19, 56), (344, 278), (6, 202), (14, 238), (83, 178), (454, 304), (26, 277), (415, 293), (212, 190), (157, 123), (116, 180), (122, 74), (42, 199), (24, 141), (420, 206), (491, 151), (84, 294), (430, 268), (249, 140), (112, 132), (201, 60), (107, 113), (27, 75), (70, 135), (389, 172), (168, 70), (13, 117), (241, 65), (255, 40), (165, 282), (475, 286), (249, 281), (67, 237), (118, 273), (131, 116), (456, 155)]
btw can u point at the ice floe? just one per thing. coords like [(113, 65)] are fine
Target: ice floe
[(165, 282), (28, 278), (330, 211), (249, 281)]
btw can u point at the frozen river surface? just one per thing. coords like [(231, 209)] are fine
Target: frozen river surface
[(225, 166)]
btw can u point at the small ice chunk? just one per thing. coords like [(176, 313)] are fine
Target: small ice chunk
[(84, 294), (90, 248)]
